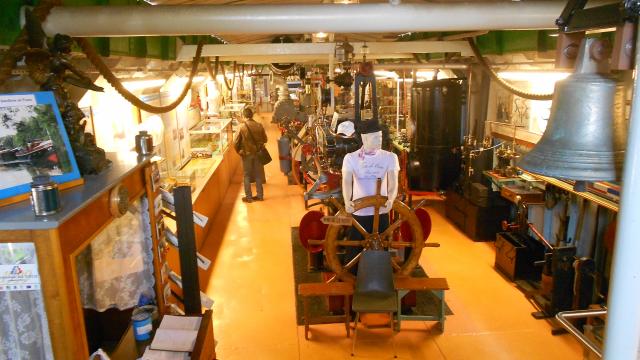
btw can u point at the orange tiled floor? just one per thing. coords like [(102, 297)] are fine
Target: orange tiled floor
[(254, 311)]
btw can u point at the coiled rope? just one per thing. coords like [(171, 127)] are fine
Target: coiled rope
[(500, 81), (104, 70)]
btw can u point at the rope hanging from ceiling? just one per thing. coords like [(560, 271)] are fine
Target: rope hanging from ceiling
[(500, 81), (241, 76), (212, 74), (104, 70), (224, 73)]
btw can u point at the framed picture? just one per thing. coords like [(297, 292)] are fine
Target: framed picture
[(33, 141)]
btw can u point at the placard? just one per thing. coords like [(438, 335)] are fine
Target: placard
[(33, 141), (18, 267)]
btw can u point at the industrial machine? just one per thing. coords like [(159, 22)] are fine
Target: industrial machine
[(434, 158)]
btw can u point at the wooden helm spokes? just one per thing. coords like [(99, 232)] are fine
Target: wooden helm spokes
[(374, 240)]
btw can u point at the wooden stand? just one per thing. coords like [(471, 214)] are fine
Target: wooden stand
[(436, 285), (325, 289)]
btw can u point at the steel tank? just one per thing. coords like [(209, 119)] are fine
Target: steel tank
[(284, 153), (434, 159)]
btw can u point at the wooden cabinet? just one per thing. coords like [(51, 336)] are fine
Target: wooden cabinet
[(477, 222), (59, 238)]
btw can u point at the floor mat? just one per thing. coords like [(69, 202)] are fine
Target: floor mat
[(426, 301)]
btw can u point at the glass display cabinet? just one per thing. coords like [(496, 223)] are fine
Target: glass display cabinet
[(234, 112), (210, 137)]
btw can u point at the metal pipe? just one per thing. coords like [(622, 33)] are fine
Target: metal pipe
[(564, 316), (419, 66), (92, 21), (397, 106), (540, 236), (622, 333)]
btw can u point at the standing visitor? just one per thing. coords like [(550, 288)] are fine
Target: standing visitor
[(249, 140)]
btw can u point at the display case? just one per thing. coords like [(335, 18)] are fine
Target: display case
[(210, 137), (234, 112)]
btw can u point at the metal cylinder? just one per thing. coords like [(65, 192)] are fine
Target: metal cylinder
[(299, 18), (436, 109), (45, 197), (144, 143), (284, 153), (622, 333)]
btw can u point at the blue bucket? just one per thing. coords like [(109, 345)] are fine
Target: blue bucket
[(141, 318)]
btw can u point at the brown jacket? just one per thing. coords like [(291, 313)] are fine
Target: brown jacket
[(248, 144)]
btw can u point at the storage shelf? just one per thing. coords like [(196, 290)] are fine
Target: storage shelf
[(499, 182), (506, 132), (611, 205)]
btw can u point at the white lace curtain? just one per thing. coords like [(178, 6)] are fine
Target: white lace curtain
[(24, 331), (117, 267)]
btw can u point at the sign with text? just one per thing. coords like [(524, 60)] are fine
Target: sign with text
[(337, 220)]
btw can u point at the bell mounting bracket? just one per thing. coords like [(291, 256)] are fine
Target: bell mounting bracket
[(575, 18)]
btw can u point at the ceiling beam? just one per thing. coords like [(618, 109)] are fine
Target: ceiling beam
[(388, 49)]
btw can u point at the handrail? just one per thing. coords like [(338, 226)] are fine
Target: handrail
[(564, 316)]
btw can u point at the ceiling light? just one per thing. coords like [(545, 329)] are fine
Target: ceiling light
[(385, 74), (533, 75), (364, 50), (142, 84)]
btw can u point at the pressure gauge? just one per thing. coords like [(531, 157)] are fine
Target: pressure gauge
[(119, 200)]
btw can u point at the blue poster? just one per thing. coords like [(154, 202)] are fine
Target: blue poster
[(33, 141)]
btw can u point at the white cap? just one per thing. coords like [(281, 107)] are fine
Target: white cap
[(346, 128)]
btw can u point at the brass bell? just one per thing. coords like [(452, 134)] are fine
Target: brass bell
[(586, 135)]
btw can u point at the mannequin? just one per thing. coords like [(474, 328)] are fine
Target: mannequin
[(360, 171), (363, 167)]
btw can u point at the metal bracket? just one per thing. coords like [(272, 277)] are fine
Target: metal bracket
[(575, 17)]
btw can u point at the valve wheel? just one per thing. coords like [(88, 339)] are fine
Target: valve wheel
[(375, 240)]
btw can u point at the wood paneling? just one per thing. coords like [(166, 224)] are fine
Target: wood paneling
[(67, 338), (78, 231), (211, 197)]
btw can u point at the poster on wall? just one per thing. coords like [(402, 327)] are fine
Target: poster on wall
[(18, 267), (513, 109), (33, 141), (24, 328), (531, 115)]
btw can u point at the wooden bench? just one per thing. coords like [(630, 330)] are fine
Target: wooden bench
[(325, 289), (436, 285)]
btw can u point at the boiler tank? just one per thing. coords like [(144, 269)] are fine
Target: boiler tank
[(436, 108)]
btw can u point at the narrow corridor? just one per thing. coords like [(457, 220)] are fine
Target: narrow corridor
[(254, 312)]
